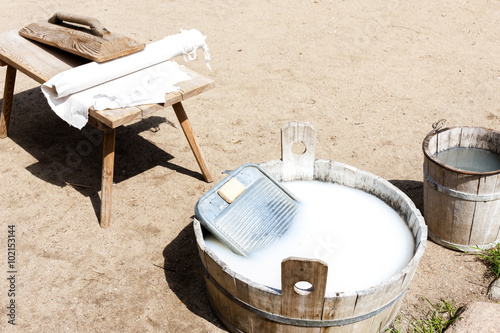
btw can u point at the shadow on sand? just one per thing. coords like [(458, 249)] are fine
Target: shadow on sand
[(184, 274), (68, 156), (413, 189)]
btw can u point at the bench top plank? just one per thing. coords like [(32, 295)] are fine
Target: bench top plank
[(117, 117), (41, 62)]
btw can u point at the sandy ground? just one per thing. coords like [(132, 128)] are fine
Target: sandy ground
[(372, 76)]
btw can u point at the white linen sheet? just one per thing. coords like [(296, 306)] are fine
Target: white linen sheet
[(139, 78)]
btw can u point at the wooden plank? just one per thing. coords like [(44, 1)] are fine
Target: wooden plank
[(340, 329), (274, 168), (8, 96), (107, 176), (118, 117), (468, 137), (212, 290), (495, 142), (415, 223), (497, 209), (349, 176), (390, 314), (147, 109), (298, 165), (486, 221), (395, 198), (446, 140), (38, 61), (455, 137), (413, 219), (219, 273), (434, 215), (266, 300), (483, 138), (339, 307), (244, 290), (172, 97), (195, 86), (463, 212), (243, 318), (373, 299), (409, 271), (321, 170), (365, 182), (218, 300), (81, 42), (335, 173), (384, 318), (426, 188), (303, 304), (442, 141), (114, 118)]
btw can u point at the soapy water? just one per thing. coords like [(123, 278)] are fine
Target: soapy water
[(362, 239)]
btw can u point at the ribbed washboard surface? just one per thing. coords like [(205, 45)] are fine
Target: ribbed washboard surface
[(262, 213)]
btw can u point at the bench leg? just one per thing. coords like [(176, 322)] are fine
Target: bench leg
[(108, 163), (188, 132), (8, 95)]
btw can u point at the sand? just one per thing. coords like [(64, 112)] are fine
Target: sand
[(372, 76)]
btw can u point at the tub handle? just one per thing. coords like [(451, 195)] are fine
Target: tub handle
[(298, 165), (299, 302)]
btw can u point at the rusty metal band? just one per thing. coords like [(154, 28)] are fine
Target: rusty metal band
[(459, 194), (294, 321)]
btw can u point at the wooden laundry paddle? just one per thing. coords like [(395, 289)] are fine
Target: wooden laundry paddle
[(97, 43)]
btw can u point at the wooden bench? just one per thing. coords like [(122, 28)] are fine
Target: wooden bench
[(41, 62)]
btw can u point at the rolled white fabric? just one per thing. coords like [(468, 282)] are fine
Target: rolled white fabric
[(139, 78)]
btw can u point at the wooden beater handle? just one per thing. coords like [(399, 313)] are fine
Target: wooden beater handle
[(95, 26)]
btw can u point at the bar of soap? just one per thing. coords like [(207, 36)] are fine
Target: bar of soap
[(231, 190)]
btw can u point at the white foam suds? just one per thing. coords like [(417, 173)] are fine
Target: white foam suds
[(362, 239)]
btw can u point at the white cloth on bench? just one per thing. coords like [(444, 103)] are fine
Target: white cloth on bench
[(143, 77)]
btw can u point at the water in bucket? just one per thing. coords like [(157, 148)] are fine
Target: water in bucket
[(470, 159)]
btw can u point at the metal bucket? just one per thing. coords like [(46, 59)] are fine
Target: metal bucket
[(245, 306)]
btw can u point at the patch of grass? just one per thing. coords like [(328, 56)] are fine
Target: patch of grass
[(396, 326), (491, 258), (436, 320)]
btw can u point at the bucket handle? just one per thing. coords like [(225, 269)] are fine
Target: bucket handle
[(438, 126), (95, 26), (298, 165), (297, 301)]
